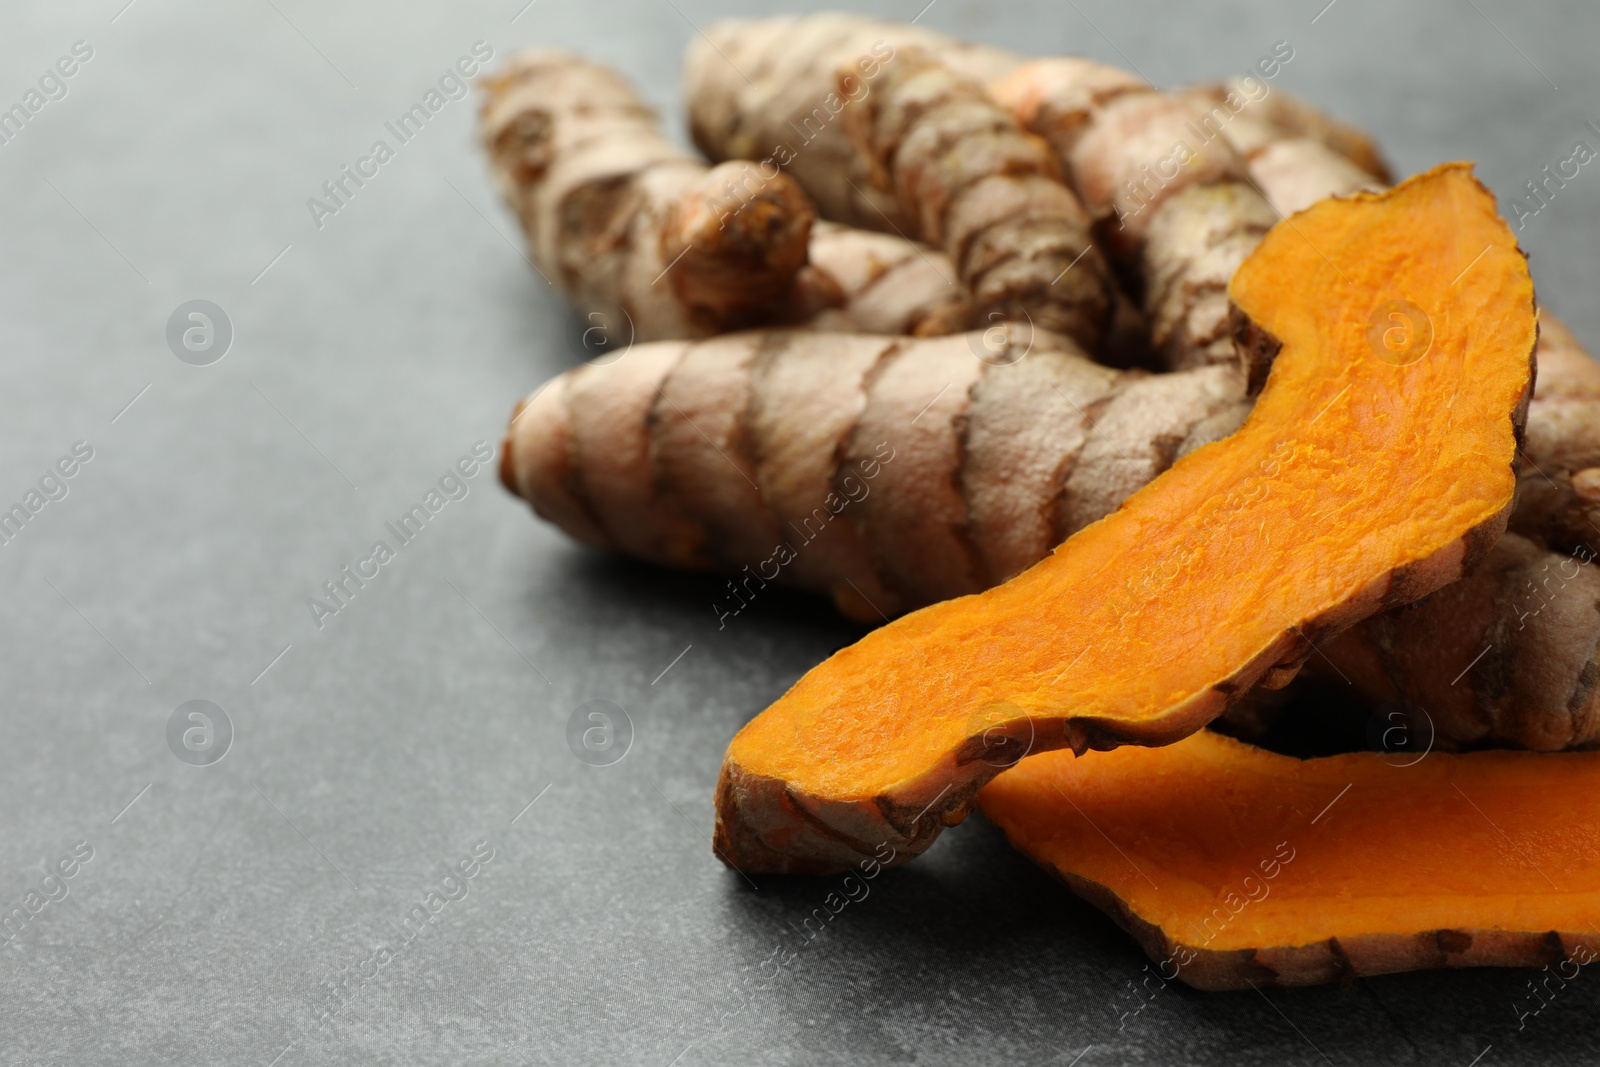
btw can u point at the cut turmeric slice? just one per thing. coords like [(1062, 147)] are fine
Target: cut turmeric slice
[(1373, 469), (1233, 866)]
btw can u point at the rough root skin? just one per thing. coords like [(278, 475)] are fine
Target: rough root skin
[(885, 284), (611, 207), (1558, 499), (1172, 201), (894, 472), (1509, 656), (1288, 118), (789, 109), (976, 184)]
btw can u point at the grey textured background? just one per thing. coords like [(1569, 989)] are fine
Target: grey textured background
[(222, 903)]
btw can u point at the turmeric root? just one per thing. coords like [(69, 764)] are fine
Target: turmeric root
[(884, 284), (618, 217), (1233, 866), (1507, 657), (899, 118), (1293, 168), (610, 206), (888, 473), (1361, 481), (1172, 201), (1558, 495), (766, 89), (1294, 119), (864, 281), (984, 190), (1294, 172)]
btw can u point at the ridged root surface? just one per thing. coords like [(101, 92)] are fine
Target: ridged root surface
[(887, 473), (1172, 200), (768, 89), (646, 240)]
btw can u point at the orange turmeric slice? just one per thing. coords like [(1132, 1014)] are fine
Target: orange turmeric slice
[(1376, 465), (1233, 865)]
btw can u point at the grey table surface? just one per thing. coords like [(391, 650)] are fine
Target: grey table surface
[(221, 904)]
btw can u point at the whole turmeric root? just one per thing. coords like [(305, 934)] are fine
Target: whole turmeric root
[(988, 193), (620, 218), (1508, 656), (767, 89), (905, 138), (885, 473), (1172, 200), (1295, 119)]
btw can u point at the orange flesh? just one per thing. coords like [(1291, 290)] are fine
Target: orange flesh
[(1350, 468), (1504, 841)]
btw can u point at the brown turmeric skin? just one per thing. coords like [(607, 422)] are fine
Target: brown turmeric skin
[(1558, 496), (1172, 201), (769, 89), (887, 473), (986, 191), (1295, 119), (884, 284), (626, 223), (1507, 657)]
